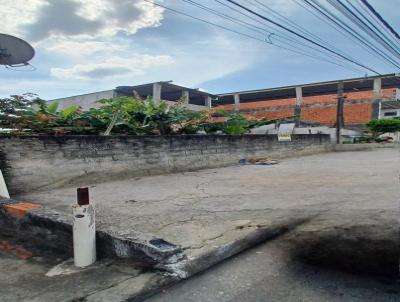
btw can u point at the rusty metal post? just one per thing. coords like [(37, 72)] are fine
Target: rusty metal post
[(82, 196)]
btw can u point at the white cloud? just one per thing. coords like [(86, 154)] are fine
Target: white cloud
[(82, 48), (83, 34), (16, 13), (121, 15), (38, 20), (112, 67), (83, 52)]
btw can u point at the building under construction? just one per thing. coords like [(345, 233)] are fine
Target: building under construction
[(312, 104), (316, 104)]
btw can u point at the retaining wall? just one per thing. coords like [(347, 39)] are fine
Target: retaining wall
[(43, 162)]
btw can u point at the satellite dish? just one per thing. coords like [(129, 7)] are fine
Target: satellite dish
[(15, 52)]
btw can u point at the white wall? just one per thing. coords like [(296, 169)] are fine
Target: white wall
[(86, 101), (271, 129)]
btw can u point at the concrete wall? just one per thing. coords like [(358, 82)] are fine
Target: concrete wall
[(35, 163), (190, 106), (345, 133), (86, 101)]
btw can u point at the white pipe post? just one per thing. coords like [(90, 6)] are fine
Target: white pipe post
[(3, 187), (84, 230)]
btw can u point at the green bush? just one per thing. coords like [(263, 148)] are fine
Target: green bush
[(122, 115), (382, 126)]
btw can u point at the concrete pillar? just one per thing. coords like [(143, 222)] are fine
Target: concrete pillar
[(377, 87), (376, 96), (185, 96), (157, 92), (379, 110), (236, 97), (208, 102), (297, 107)]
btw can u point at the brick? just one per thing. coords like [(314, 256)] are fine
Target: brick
[(320, 109), (17, 251), (20, 209)]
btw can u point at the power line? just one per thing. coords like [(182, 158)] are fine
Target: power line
[(337, 24), (300, 36), (382, 34), (276, 37), (339, 5), (203, 20), (280, 35), (227, 17), (380, 18), (285, 36), (246, 35), (268, 9), (373, 17)]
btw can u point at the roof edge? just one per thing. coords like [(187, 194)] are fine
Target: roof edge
[(308, 85)]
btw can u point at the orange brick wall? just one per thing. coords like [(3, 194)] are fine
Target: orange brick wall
[(262, 104), (321, 115), (274, 115), (319, 109)]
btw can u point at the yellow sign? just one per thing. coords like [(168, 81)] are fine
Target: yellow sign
[(284, 137)]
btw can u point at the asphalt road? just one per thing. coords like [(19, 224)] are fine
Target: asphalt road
[(268, 273)]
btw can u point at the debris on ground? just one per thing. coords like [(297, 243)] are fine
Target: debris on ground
[(263, 161)]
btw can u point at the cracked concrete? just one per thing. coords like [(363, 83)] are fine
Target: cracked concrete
[(338, 199), (206, 212)]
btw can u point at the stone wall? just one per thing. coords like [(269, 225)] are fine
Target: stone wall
[(43, 162)]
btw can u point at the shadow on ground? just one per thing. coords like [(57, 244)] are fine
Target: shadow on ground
[(362, 242)]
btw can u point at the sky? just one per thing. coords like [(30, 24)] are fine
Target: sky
[(84, 46)]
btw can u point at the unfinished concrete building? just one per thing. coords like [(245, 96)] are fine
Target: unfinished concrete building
[(316, 103)]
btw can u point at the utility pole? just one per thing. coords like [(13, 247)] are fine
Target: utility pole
[(339, 111)]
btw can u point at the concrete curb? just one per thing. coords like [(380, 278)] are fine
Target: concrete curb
[(55, 231), (189, 267), (362, 147)]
